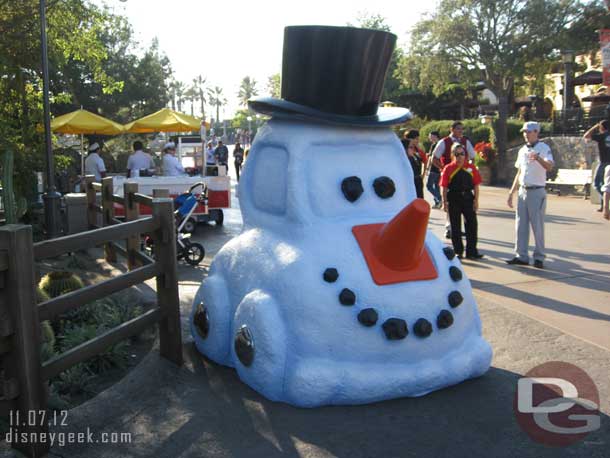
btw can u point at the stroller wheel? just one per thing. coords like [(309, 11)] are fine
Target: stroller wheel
[(190, 226), (194, 253)]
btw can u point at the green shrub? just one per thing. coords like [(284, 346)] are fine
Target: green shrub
[(473, 129), (477, 132), (73, 381), (114, 356), (60, 282)]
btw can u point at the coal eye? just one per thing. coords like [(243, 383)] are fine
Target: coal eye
[(352, 188), (384, 187)]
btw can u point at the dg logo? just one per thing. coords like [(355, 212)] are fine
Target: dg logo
[(557, 404)]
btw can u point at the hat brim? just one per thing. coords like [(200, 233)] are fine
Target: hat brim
[(279, 108)]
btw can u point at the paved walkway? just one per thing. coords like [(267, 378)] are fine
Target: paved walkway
[(529, 317)]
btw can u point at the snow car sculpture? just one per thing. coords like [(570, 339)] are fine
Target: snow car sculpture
[(335, 292)]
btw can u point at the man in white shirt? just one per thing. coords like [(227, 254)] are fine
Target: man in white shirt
[(139, 160), (171, 164), (94, 164), (534, 160)]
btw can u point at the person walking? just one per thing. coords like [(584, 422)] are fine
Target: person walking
[(417, 159), (434, 173), (606, 195), (139, 161), (221, 153), (171, 164), (534, 160), (94, 164), (602, 138), (238, 158), (442, 155), (460, 182)]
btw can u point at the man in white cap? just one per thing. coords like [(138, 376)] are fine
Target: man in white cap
[(94, 164), (171, 164), (534, 160)]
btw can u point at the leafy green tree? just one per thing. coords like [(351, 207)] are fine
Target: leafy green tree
[(274, 85), (392, 87), (492, 39), (93, 61), (247, 90)]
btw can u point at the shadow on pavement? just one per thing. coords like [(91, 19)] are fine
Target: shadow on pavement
[(223, 417)]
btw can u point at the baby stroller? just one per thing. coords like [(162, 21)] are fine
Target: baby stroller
[(192, 252)]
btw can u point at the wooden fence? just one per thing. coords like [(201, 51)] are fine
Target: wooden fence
[(23, 378)]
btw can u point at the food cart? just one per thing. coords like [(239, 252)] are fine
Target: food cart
[(219, 194)]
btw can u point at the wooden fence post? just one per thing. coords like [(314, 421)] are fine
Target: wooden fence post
[(22, 363), (108, 209), (170, 332), (91, 201), (132, 212)]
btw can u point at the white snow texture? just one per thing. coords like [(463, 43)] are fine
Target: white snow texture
[(309, 350)]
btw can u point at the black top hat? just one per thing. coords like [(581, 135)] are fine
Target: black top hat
[(334, 75)]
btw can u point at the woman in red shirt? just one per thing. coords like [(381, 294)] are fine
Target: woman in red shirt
[(460, 184)]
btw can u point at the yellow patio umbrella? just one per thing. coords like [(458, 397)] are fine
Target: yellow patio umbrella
[(165, 120), (84, 122)]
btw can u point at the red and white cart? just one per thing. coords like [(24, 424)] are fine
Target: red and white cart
[(219, 195)]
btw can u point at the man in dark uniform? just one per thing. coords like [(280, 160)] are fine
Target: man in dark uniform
[(460, 183)]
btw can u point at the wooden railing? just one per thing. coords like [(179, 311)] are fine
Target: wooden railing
[(23, 378)]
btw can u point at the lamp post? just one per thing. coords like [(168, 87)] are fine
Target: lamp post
[(567, 57), (51, 197)]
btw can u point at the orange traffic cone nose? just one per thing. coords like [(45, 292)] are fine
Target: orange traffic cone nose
[(400, 243)]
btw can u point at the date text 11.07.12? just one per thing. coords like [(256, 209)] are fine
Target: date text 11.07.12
[(38, 418)]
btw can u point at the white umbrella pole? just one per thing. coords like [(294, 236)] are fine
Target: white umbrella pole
[(82, 156)]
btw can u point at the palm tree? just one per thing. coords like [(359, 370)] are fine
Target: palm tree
[(199, 86), (247, 90), (172, 93), (217, 99), (191, 95), (179, 89)]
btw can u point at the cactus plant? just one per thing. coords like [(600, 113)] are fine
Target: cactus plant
[(60, 282), (13, 208), (47, 337), (41, 296)]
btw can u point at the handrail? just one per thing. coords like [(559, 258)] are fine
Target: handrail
[(118, 199), (61, 245), (143, 199), (97, 345), (58, 305)]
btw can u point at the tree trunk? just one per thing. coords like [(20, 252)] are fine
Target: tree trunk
[(501, 132), (217, 112)]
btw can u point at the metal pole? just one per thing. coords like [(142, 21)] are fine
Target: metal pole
[(51, 196)]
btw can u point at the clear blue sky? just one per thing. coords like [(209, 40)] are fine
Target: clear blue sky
[(227, 40)]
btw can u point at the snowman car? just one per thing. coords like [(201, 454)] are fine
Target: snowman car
[(335, 292)]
